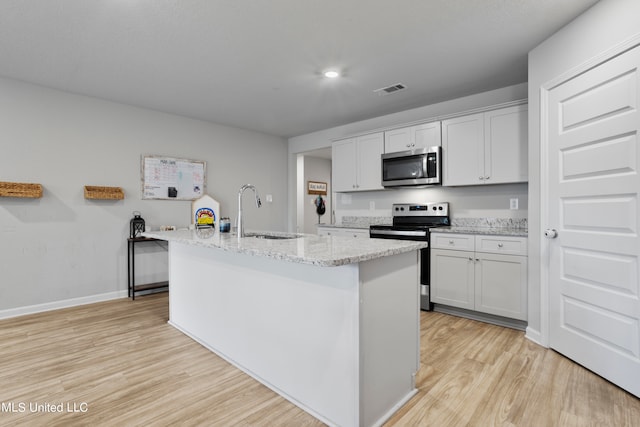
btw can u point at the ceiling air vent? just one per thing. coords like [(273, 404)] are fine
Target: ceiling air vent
[(390, 89)]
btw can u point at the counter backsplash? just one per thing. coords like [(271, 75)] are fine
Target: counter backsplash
[(366, 221), (490, 222)]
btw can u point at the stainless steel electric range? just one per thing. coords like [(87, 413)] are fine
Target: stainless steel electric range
[(412, 222)]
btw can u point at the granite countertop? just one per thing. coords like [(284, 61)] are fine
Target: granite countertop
[(326, 251), (491, 231)]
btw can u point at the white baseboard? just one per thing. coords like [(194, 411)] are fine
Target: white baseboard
[(55, 305), (535, 336)]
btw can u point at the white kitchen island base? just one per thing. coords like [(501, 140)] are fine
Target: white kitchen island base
[(340, 342)]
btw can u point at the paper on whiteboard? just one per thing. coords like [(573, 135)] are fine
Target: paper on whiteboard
[(169, 178)]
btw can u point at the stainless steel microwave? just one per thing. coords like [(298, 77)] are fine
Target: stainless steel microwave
[(414, 167)]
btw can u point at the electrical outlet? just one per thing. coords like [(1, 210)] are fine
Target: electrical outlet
[(513, 204), (269, 198)]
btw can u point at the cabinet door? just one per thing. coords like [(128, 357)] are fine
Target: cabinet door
[(426, 135), (413, 137), (463, 150), (343, 168), (398, 140), (506, 145), (452, 280), (501, 285), (369, 168)]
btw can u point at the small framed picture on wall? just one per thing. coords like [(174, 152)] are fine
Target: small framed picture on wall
[(315, 187)]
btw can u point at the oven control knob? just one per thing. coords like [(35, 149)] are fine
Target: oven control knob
[(439, 208)]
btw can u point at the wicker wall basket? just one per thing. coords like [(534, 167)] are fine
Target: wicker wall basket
[(20, 189), (103, 193)]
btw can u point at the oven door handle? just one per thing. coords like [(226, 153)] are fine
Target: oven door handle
[(417, 233)]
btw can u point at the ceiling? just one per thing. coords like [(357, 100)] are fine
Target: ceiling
[(258, 64)]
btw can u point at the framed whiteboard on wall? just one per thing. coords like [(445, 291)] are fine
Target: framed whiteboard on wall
[(170, 178)]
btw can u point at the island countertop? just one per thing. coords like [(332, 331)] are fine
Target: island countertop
[(326, 251)]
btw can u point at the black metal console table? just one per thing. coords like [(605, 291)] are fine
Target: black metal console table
[(131, 269)]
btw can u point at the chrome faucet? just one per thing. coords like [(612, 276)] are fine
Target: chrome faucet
[(258, 204)]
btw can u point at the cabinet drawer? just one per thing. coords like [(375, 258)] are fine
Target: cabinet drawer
[(324, 231), (462, 242), (501, 245), (348, 232), (351, 232)]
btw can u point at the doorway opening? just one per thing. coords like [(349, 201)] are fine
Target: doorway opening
[(313, 166)]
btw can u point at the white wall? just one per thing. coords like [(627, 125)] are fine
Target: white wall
[(495, 198), (606, 24), (62, 246)]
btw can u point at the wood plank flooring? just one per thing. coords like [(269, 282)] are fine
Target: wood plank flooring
[(119, 363)]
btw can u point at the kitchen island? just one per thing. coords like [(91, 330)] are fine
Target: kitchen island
[(330, 323)]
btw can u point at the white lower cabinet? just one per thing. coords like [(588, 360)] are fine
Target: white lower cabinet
[(501, 285), (491, 278), (452, 278), (343, 231)]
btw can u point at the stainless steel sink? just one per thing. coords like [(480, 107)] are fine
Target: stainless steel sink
[(272, 236)]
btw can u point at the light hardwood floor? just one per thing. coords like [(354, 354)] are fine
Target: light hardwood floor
[(131, 368)]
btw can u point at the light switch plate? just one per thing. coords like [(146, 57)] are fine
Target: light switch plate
[(513, 204)]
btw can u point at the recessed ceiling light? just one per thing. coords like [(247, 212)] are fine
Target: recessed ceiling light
[(331, 74)]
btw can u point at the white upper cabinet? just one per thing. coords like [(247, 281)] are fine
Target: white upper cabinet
[(356, 163), (486, 148), (506, 145), (463, 150), (343, 170), (412, 137)]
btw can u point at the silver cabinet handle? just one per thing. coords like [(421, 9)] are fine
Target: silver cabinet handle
[(470, 259), (550, 233), (487, 177), (500, 245), (481, 178), (451, 242)]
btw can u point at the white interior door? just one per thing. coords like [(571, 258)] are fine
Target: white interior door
[(593, 188)]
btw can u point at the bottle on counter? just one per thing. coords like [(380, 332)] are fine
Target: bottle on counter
[(225, 224)]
